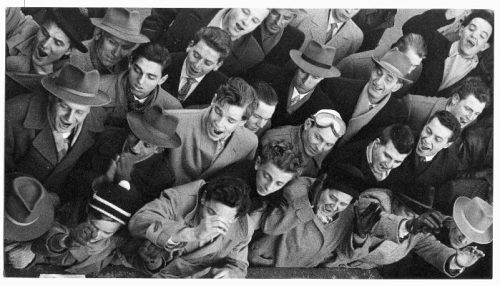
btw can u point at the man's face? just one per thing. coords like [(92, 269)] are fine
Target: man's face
[(51, 45), (140, 149), (457, 239), (414, 58), (474, 37), (277, 20), (67, 115), (201, 59), (240, 22), (111, 50), (269, 178), (433, 138), (343, 15), (144, 76), (105, 229), (385, 157), (466, 110), (223, 119), (214, 208), (304, 82), (317, 140), (331, 202), (260, 116), (381, 84)]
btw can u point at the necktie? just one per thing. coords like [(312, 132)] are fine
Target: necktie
[(185, 88), (294, 100), (330, 32), (64, 150)]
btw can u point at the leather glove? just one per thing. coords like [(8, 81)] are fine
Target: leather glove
[(426, 223), (367, 219)]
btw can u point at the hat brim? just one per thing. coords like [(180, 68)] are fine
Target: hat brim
[(16, 232), (76, 42), (143, 132), (138, 39), (100, 99), (391, 69), (461, 221), (296, 56)]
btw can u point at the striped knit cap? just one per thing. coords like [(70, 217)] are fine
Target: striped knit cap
[(114, 201)]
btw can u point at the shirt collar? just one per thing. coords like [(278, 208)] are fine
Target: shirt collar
[(295, 93)]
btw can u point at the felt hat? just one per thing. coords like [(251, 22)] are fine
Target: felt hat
[(74, 85), (123, 24), (474, 218), (317, 59), (114, 201), (74, 24), (29, 208), (396, 63), (154, 127)]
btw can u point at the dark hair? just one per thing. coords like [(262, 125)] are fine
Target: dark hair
[(232, 192), (71, 21), (153, 52), (237, 91), (448, 120), (476, 87), (345, 178), (401, 136), (414, 41), (486, 15), (282, 155), (265, 93), (215, 38)]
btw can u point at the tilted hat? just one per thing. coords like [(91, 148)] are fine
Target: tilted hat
[(474, 218), (29, 208), (154, 127), (123, 24), (114, 201), (74, 85), (317, 59), (396, 63), (74, 24)]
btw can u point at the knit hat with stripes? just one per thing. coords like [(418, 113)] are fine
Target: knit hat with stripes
[(114, 201)]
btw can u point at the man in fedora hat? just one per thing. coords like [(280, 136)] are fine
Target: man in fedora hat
[(46, 132), (359, 101), (138, 88), (132, 157), (174, 28), (312, 140), (35, 50), (28, 214), (298, 92), (214, 137), (117, 35), (439, 240)]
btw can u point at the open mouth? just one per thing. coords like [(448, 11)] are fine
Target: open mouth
[(423, 147), (40, 53), (239, 28), (471, 43)]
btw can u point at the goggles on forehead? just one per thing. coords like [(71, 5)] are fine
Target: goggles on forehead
[(325, 119)]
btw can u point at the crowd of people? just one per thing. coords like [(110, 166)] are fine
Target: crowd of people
[(195, 143)]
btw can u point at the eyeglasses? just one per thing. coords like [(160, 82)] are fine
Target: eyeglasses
[(325, 120)]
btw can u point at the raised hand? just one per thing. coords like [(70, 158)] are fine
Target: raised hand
[(426, 223), (211, 227), (468, 256), (367, 219), (124, 166)]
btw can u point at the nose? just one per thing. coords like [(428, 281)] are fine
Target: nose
[(46, 42), (116, 51), (70, 115), (136, 146), (197, 64), (261, 123), (141, 79), (281, 21)]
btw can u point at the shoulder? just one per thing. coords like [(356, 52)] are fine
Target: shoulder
[(168, 101), (420, 100), (298, 188), (183, 193), (353, 28), (249, 137), (280, 133)]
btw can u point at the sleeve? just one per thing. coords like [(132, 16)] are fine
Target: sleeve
[(156, 221), (237, 259), (49, 246), (435, 253)]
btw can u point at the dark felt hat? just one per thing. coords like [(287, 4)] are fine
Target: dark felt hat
[(74, 85), (396, 63), (74, 24), (154, 127), (317, 59)]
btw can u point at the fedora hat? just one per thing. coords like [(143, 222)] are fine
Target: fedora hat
[(396, 63), (29, 208), (154, 127), (76, 86), (474, 218), (123, 24), (74, 24), (317, 59)]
